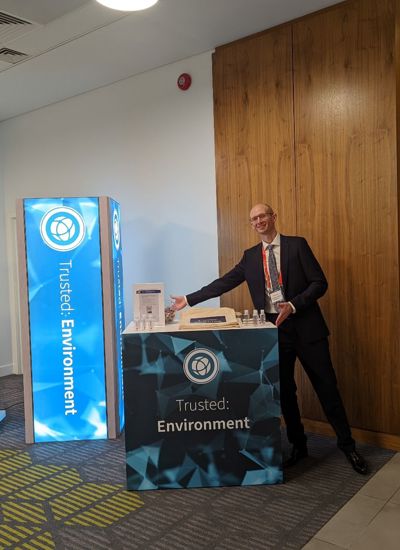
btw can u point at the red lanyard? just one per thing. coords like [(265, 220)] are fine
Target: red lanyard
[(266, 270)]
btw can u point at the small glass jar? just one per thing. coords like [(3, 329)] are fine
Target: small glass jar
[(149, 322)]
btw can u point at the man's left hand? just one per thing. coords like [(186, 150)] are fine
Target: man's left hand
[(285, 309)]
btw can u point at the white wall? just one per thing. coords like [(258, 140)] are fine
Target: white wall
[(5, 332), (143, 142)]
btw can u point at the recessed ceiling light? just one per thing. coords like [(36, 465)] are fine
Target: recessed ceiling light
[(128, 5)]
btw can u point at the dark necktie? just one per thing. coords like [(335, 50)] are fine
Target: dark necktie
[(272, 268), (273, 272)]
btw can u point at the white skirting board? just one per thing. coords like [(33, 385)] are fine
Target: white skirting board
[(5, 370)]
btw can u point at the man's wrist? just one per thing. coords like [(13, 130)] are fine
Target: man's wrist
[(292, 306)]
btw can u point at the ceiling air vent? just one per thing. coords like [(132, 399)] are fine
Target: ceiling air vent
[(11, 56), (11, 26)]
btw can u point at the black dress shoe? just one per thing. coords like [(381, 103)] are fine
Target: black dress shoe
[(357, 461), (297, 454)]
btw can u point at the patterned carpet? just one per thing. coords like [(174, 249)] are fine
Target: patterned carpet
[(72, 496)]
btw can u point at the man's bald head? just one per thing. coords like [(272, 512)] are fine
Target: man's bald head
[(262, 219)]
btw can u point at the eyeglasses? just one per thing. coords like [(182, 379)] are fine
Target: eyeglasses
[(260, 217)]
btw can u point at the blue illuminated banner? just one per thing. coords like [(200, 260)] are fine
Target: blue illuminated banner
[(66, 318), (115, 221)]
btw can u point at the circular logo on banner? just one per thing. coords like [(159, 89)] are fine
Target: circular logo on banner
[(62, 228), (116, 230), (201, 366)]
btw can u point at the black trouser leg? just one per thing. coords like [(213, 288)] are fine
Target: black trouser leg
[(316, 361), (289, 405)]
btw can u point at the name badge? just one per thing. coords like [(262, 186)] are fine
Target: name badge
[(276, 296)]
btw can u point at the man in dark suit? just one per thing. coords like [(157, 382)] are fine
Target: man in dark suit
[(286, 280)]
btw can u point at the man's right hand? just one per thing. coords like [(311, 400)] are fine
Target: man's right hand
[(179, 302)]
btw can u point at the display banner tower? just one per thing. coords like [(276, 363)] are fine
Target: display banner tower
[(72, 317)]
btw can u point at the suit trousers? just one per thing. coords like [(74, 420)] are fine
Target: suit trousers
[(316, 360)]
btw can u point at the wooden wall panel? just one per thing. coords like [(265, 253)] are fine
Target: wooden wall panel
[(345, 140), (253, 110), (305, 119)]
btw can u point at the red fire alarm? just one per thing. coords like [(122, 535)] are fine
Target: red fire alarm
[(184, 81)]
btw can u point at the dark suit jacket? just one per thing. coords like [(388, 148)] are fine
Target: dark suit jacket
[(303, 282)]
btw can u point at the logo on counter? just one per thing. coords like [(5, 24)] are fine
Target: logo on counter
[(116, 230), (62, 228), (201, 366)]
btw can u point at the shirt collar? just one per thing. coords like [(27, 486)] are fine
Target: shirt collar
[(275, 242)]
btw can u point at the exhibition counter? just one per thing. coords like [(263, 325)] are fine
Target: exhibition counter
[(202, 407)]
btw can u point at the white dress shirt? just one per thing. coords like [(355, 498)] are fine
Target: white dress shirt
[(276, 243)]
